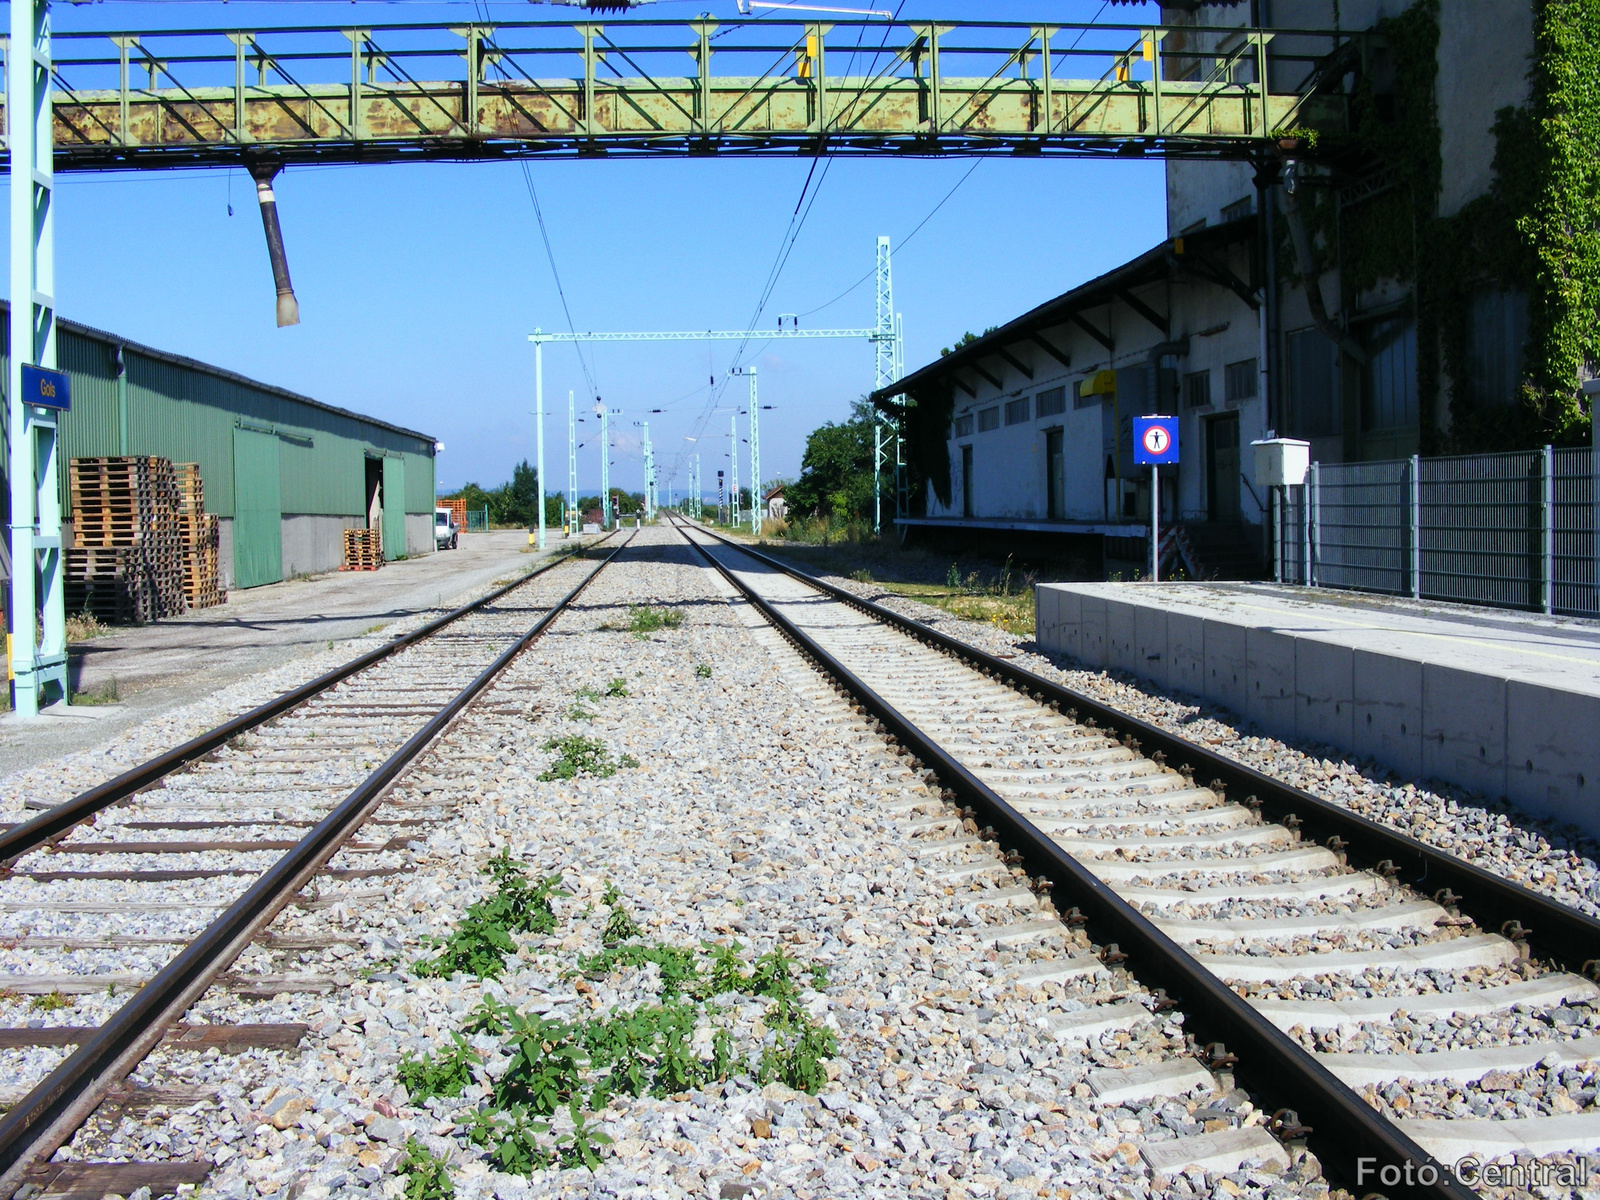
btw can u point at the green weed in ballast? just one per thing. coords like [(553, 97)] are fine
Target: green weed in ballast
[(553, 1074), (578, 755), (445, 1073), (617, 689), (425, 1175), (619, 925), (481, 941), (644, 620), (702, 671)]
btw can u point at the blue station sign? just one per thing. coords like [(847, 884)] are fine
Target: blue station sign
[(46, 388), (1155, 441)]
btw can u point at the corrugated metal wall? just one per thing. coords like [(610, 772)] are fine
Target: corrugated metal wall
[(188, 413)]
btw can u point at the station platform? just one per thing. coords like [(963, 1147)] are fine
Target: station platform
[(1503, 704)]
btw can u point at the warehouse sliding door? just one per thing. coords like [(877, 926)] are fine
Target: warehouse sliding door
[(257, 509), (394, 508)]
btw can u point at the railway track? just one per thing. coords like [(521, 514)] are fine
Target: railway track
[(155, 883), (1407, 1013)]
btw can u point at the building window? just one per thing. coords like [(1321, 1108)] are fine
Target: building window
[(1051, 402), (1016, 411), (1239, 380), (1497, 328), (988, 418), (1239, 208), (1389, 390), (1313, 399), (1197, 389), (963, 425)]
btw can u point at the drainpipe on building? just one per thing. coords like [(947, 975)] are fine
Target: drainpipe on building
[(288, 306), (1305, 261)]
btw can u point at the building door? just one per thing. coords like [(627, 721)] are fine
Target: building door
[(257, 509), (1222, 467), (1055, 461), (394, 508), (966, 482)]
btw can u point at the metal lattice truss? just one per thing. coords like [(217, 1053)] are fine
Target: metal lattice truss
[(527, 89)]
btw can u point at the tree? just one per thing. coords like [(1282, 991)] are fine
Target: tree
[(836, 470)]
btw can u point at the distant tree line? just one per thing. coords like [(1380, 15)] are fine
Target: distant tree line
[(515, 503)]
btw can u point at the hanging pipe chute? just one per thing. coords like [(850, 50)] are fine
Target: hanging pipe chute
[(288, 306)]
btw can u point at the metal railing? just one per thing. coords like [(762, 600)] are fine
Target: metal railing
[(1514, 530)]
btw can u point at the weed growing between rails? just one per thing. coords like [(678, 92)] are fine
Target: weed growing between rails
[(578, 755), (712, 1014), (644, 620)]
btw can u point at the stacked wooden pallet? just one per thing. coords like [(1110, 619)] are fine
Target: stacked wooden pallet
[(363, 550), (125, 563), (201, 541), (458, 511)]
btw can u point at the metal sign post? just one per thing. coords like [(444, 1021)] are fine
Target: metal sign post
[(1155, 444), (37, 391)]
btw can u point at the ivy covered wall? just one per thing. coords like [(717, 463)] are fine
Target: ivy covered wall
[(1535, 232)]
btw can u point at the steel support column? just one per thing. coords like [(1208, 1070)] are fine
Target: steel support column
[(538, 420), (37, 579), (755, 456), (574, 517), (733, 473)]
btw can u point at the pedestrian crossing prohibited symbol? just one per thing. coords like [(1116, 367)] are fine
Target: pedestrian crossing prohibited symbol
[(1155, 440)]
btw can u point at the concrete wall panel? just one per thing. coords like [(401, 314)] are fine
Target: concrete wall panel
[(1186, 653), (1122, 637), (225, 551), (1047, 619), (313, 545), (1092, 648), (1388, 711), (1150, 644), (419, 534), (1269, 659), (1227, 667), (1324, 681), (1553, 753), (1464, 728)]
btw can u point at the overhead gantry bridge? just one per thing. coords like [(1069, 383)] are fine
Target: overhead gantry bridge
[(404, 92)]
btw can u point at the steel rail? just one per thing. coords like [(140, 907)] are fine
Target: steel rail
[(25, 836), (1342, 1125), (49, 1114), (1553, 931)]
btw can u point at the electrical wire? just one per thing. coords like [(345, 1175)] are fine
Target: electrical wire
[(905, 241), (544, 233)]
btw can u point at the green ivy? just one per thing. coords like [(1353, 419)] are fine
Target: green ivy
[(1562, 225)]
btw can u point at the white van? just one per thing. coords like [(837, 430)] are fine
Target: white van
[(445, 531)]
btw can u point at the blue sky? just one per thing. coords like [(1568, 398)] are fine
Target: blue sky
[(418, 284)]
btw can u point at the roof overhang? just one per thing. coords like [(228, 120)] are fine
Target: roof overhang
[(1195, 254)]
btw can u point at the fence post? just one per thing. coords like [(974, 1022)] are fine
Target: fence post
[(1547, 544), (1313, 525), (1416, 526), (1275, 504)]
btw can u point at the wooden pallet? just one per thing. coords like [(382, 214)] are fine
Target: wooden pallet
[(126, 559), (363, 550)]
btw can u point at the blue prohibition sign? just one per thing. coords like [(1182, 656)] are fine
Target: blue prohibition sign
[(1155, 441)]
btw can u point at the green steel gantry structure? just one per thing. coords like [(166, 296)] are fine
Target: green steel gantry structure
[(266, 98), (399, 92)]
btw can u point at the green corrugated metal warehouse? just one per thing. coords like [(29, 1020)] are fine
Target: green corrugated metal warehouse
[(287, 474)]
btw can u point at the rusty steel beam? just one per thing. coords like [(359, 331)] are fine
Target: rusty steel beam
[(399, 93)]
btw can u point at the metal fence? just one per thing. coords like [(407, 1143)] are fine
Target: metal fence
[(1517, 530)]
